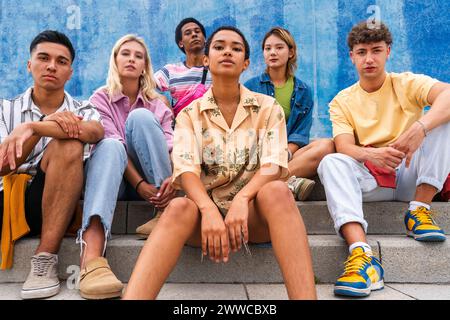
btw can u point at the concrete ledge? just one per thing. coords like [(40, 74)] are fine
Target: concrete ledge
[(329, 252), (407, 260), (404, 259), (383, 217)]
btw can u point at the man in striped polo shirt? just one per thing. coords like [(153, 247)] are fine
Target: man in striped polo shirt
[(182, 78), (43, 133)]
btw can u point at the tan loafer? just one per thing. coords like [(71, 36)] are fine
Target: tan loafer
[(144, 230), (97, 281)]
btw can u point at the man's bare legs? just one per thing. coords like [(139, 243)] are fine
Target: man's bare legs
[(425, 193), (63, 166), (305, 161)]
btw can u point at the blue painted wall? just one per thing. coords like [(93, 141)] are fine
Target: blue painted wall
[(421, 32)]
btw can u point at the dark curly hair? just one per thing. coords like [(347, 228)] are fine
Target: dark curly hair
[(180, 25), (363, 32)]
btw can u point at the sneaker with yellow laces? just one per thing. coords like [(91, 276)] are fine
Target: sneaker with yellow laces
[(363, 273), (421, 226)]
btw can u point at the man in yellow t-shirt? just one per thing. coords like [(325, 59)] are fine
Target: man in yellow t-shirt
[(379, 123)]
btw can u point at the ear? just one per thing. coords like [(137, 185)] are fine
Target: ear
[(29, 66), (351, 57), (71, 74), (205, 61), (246, 64), (180, 44), (388, 52), (291, 53)]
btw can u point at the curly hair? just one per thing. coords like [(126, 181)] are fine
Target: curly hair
[(365, 33)]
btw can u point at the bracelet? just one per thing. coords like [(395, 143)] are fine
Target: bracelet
[(423, 127), (42, 117), (137, 185)]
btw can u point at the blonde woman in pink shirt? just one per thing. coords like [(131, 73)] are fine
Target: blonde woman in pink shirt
[(132, 162)]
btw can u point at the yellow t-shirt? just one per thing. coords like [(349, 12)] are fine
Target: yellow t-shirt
[(379, 118)]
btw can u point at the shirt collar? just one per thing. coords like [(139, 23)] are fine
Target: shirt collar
[(248, 99), (265, 77), (29, 105), (119, 96)]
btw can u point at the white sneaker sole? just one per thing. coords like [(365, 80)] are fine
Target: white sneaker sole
[(431, 236), (355, 292), (40, 293)]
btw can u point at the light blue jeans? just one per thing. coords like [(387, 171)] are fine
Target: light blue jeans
[(104, 181)]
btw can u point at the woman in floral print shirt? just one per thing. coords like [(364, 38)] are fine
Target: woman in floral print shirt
[(230, 152)]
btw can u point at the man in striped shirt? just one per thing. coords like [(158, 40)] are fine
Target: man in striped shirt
[(43, 133), (182, 78)]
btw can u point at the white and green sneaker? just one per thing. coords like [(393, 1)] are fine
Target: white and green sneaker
[(300, 187)]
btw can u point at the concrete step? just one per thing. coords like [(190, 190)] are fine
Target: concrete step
[(383, 217), (404, 260), (243, 291)]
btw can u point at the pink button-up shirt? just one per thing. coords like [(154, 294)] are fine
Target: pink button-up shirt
[(115, 111)]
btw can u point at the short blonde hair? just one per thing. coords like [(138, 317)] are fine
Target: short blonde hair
[(286, 36), (147, 84)]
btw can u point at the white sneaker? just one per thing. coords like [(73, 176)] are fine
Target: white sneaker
[(42, 281)]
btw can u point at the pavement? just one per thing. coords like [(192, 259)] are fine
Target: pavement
[(215, 291)]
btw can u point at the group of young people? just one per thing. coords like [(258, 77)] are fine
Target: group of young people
[(241, 154)]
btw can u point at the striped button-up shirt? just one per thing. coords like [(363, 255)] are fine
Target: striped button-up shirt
[(22, 110)]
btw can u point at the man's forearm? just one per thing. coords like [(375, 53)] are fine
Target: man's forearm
[(356, 152), (91, 131), (28, 146), (439, 113)]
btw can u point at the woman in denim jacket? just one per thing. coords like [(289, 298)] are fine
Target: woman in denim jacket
[(279, 81)]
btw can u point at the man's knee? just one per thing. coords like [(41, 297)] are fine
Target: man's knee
[(70, 150), (331, 162)]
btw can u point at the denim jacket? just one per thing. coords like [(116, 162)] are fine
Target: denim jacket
[(300, 119)]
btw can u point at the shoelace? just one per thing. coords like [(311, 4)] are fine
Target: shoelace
[(41, 264), (356, 262), (423, 215), (292, 183)]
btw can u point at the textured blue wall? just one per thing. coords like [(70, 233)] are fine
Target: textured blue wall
[(421, 32)]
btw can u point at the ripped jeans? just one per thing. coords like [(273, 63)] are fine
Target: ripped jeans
[(104, 181)]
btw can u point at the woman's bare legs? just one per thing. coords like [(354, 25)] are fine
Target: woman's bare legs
[(180, 222), (275, 217)]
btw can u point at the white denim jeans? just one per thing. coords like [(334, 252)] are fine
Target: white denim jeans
[(348, 183)]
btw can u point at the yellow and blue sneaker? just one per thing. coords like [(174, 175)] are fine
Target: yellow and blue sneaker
[(421, 226), (363, 273)]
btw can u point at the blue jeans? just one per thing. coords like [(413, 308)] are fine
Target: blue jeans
[(146, 147)]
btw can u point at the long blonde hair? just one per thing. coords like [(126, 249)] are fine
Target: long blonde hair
[(147, 84), (287, 37)]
